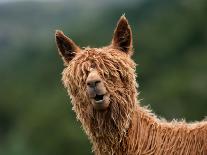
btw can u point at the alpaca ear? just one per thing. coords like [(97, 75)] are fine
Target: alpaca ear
[(66, 47), (122, 38)]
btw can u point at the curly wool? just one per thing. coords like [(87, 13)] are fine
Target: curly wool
[(125, 127), (107, 127)]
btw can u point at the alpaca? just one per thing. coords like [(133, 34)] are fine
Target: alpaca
[(101, 83)]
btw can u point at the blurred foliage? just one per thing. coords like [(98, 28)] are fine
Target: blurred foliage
[(170, 41)]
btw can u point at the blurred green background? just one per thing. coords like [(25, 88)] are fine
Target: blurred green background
[(170, 41)]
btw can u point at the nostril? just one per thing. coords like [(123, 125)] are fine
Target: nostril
[(89, 84), (96, 82)]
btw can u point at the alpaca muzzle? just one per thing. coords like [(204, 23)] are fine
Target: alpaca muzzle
[(97, 91)]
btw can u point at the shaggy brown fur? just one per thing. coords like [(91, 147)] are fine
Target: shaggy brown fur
[(124, 127)]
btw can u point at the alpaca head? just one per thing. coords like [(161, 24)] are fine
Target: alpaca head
[(101, 81)]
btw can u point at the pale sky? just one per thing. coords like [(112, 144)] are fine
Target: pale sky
[(6, 1), (3, 1), (123, 2)]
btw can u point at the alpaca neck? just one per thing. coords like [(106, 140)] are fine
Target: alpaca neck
[(141, 131), (112, 139), (141, 126), (149, 135)]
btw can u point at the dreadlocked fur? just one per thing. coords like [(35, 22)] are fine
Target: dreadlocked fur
[(124, 127), (106, 127)]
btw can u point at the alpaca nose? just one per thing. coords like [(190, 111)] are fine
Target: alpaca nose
[(93, 80), (93, 83)]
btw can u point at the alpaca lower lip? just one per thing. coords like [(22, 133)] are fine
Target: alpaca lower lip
[(100, 101)]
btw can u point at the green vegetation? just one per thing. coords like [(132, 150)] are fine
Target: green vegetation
[(170, 41)]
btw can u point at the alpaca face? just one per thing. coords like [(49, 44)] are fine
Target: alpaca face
[(98, 76)]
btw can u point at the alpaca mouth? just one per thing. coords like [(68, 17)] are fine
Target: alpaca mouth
[(100, 102), (99, 98)]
